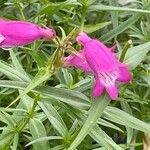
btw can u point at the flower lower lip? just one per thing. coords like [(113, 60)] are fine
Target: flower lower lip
[(2, 38), (108, 78)]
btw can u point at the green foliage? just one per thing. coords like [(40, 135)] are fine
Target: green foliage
[(45, 106)]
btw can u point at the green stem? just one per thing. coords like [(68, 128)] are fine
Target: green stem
[(31, 114), (124, 50), (83, 18), (22, 126), (21, 12)]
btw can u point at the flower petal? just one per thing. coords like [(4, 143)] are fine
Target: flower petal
[(112, 91), (124, 74), (18, 33), (77, 61), (99, 57), (108, 78), (98, 88), (48, 34), (113, 49), (83, 38), (2, 38)]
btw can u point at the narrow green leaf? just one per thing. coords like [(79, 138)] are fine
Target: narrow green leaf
[(108, 124), (12, 109), (102, 138), (83, 85), (44, 139), (70, 97), (38, 55), (40, 77), (53, 8), (122, 27), (101, 148), (6, 118), (54, 118), (74, 126), (37, 130), (59, 147), (114, 15), (11, 72), (114, 145), (73, 98), (67, 77), (95, 27), (95, 112), (113, 8), (15, 142), (6, 138), (126, 107), (146, 78), (26, 102), (118, 116), (136, 54), (17, 65)]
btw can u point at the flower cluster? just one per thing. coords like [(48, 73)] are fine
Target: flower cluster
[(97, 59)]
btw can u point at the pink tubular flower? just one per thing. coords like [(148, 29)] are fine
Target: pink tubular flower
[(18, 33), (99, 60)]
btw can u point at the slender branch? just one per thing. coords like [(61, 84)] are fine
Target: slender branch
[(83, 18), (31, 114), (21, 11), (22, 14)]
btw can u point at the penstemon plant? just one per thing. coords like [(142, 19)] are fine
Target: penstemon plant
[(60, 63)]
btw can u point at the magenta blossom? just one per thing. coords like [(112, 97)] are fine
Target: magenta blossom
[(99, 60), (18, 33)]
